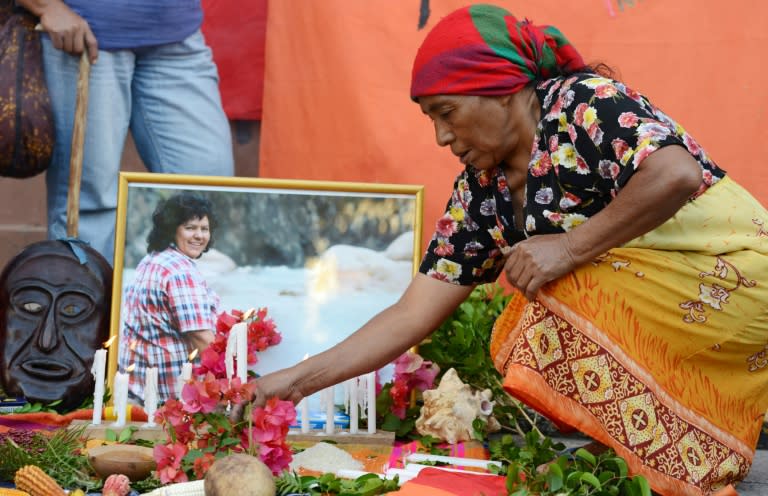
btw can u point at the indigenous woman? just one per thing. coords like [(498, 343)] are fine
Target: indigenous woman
[(642, 313), (169, 309)]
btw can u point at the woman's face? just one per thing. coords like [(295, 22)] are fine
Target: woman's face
[(482, 131), (192, 236)]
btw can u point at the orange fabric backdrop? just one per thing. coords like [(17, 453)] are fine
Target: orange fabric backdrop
[(337, 74)]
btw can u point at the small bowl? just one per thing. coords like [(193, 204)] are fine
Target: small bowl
[(135, 462)]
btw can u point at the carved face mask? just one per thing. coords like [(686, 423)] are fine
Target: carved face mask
[(54, 313)]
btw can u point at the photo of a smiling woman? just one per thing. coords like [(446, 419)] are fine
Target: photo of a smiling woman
[(169, 308)]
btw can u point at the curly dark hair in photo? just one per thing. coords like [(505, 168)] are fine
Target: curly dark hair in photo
[(175, 211)]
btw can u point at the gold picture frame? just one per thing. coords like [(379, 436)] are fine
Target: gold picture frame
[(343, 223)]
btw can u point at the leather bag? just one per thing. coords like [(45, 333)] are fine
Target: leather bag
[(26, 121)]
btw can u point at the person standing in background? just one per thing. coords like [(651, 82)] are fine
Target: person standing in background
[(154, 75)]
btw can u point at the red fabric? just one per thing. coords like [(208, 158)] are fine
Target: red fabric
[(236, 32), (436, 482), (485, 50)]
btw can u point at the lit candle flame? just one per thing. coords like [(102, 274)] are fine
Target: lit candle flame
[(134, 343), (130, 368), (306, 355), (109, 341), (248, 314), (193, 354)]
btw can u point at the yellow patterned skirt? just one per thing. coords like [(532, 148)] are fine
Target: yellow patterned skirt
[(658, 349)]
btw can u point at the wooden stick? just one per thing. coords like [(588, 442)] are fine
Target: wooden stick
[(76, 151)]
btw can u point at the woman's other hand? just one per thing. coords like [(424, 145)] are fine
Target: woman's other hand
[(662, 184), (538, 260)]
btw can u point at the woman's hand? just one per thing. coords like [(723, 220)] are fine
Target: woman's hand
[(662, 184), (280, 384), (538, 260)]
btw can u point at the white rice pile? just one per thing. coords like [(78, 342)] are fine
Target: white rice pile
[(325, 457)]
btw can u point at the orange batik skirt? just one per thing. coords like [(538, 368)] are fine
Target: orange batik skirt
[(658, 349)]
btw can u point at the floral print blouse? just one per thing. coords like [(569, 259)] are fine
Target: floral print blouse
[(593, 134)]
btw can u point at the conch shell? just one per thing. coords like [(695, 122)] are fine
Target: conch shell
[(449, 410)]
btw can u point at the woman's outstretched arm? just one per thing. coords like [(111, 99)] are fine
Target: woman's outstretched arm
[(424, 305)]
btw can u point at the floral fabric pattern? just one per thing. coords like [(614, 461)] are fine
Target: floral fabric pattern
[(593, 134)]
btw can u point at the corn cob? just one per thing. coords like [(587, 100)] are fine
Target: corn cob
[(32, 479), (192, 488), (4, 491)]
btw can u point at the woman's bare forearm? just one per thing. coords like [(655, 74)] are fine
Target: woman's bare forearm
[(663, 183), (422, 308)]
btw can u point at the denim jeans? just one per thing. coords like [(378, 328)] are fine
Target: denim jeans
[(167, 95)]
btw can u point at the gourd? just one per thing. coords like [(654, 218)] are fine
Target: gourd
[(32, 479), (239, 474)]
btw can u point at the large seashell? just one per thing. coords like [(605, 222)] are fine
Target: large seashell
[(450, 410)]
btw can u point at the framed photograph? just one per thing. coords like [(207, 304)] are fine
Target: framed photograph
[(321, 258)]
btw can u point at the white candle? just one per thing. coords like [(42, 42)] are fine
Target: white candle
[(229, 353), (121, 397), (371, 383), (242, 351), (98, 369), (353, 405), (150, 395), (330, 409), (186, 375), (305, 428)]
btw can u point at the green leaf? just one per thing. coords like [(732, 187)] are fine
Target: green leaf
[(554, 477), (391, 422), (620, 464), (126, 434), (641, 483), (110, 435), (585, 456), (590, 479)]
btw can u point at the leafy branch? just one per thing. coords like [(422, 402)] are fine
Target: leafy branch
[(365, 485)]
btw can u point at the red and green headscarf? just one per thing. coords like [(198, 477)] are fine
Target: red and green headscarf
[(485, 50)]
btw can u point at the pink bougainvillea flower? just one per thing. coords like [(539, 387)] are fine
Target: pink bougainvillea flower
[(419, 373), (424, 378), (400, 394), (411, 372), (202, 464), (198, 422), (211, 360), (201, 397), (169, 458), (172, 412), (237, 392), (276, 415), (408, 362), (275, 456), (225, 321)]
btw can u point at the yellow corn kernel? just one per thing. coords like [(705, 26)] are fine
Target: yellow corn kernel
[(32, 479), (4, 491)]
